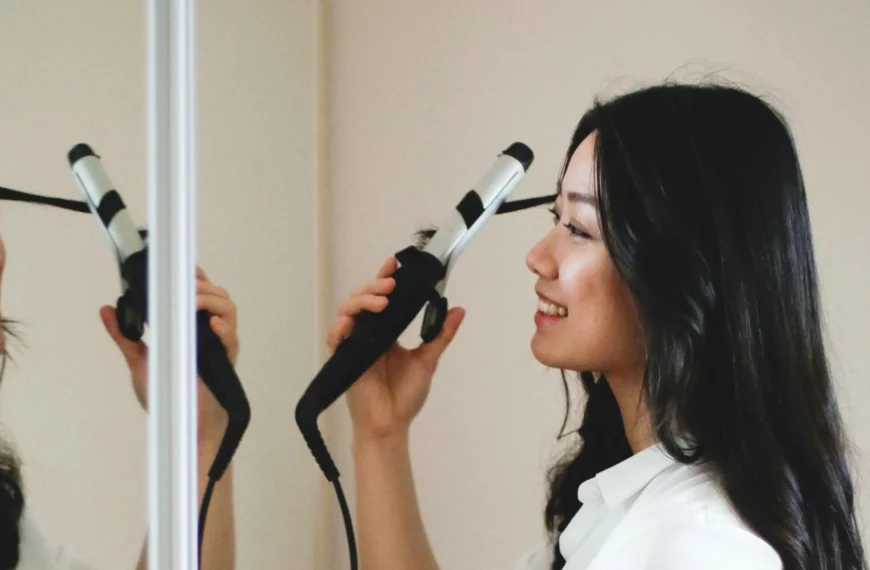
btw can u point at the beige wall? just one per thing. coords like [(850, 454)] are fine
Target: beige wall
[(425, 94), (75, 71), (422, 96)]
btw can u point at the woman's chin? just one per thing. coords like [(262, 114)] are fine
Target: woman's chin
[(549, 355)]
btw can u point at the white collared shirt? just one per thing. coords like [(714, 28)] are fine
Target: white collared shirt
[(650, 512)]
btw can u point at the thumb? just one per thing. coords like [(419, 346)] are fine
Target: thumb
[(432, 351), (132, 351)]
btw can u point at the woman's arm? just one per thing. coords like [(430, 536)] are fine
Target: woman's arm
[(219, 540), (383, 402), (391, 533)]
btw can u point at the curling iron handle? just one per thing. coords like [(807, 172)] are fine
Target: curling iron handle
[(371, 336), (219, 375), (352, 358), (374, 333)]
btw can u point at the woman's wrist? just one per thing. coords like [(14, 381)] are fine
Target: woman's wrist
[(211, 427), (397, 441), (207, 451)]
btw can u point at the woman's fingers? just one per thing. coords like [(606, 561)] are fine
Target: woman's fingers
[(388, 268), (352, 306), (339, 331), (370, 296), (382, 286)]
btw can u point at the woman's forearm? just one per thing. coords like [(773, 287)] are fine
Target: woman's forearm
[(219, 540), (390, 529)]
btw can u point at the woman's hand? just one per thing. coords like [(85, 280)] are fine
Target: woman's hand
[(391, 393), (212, 418)]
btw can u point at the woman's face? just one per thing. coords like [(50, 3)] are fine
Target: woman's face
[(586, 319)]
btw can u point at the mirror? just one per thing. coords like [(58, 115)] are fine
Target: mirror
[(77, 73)]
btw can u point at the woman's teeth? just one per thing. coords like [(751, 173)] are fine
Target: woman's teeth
[(551, 309)]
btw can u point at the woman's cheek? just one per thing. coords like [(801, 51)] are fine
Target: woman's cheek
[(582, 279)]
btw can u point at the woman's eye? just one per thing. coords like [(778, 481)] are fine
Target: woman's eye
[(578, 231), (575, 231)]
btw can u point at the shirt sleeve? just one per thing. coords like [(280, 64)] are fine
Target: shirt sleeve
[(37, 553), (712, 547)]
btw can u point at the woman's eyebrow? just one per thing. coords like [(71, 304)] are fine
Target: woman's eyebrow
[(575, 197)]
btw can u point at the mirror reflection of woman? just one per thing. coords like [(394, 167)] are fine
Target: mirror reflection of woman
[(678, 284), (23, 546)]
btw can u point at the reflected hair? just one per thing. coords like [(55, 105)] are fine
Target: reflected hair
[(11, 493), (704, 213)]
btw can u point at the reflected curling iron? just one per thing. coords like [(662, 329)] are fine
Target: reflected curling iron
[(130, 247)]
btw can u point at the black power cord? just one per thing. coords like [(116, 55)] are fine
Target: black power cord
[(348, 524), (203, 513)]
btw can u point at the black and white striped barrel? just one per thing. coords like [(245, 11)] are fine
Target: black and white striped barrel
[(105, 201), (481, 203)]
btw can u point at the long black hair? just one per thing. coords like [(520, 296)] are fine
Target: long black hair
[(704, 212), (11, 495)]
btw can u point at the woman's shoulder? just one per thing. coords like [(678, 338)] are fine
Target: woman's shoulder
[(683, 519), (711, 544)]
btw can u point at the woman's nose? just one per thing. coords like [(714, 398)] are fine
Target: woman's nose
[(540, 260)]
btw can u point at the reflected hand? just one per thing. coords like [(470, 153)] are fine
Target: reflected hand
[(212, 419)]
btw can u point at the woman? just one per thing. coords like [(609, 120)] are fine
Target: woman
[(679, 282), (23, 546)]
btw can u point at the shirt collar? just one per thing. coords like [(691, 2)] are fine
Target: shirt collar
[(627, 478)]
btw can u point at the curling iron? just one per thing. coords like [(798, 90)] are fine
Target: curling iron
[(213, 363), (420, 281)]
